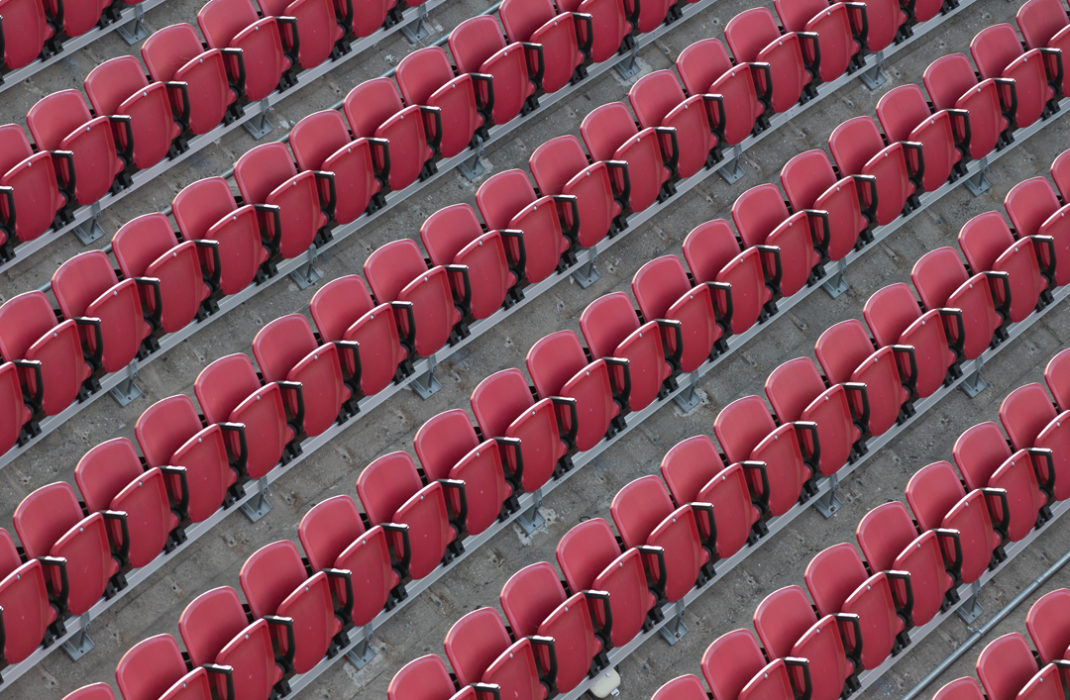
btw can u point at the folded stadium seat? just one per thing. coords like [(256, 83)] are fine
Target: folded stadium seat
[(694, 472), (111, 477), (984, 459), (565, 38), (35, 200), (960, 689), (899, 167), (887, 22), (147, 247), (392, 492), (119, 87), (645, 515), (781, 618), (229, 390), (846, 354), (214, 78), (523, 673), (810, 182), (426, 77), (51, 522), (762, 218), (1049, 682), (32, 595), (266, 174), (988, 244), (286, 349), (343, 309), (590, 559), (686, 687), (16, 414), (942, 281), (154, 669), (841, 29), (53, 366), (747, 432), (217, 630), (1005, 665), (449, 449), (317, 25), (440, 295), (1057, 377), (1030, 420), (658, 100), (612, 22), (1037, 73), (662, 289), (62, 122), (838, 581), (989, 103), (1048, 623), (171, 433), (93, 691), (713, 254), (412, 133), (275, 582), (890, 541), (1034, 208), (558, 366), (894, 317), (322, 142), (426, 678), (1043, 24), (334, 537), (473, 643), (734, 666), (938, 500), (944, 136), (797, 392), (504, 406), (87, 286), (549, 223), (454, 236), (834, 658), (561, 166), (28, 31), (1060, 174), (787, 71), (706, 69), (478, 45), (611, 329), (536, 603), (269, 53)]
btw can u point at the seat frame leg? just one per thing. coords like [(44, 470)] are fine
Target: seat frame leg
[(974, 383), (134, 31), (971, 608), (260, 126), (81, 643), (90, 230), (837, 284), (588, 273), (531, 519), (415, 31), (875, 77), (127, 390), (362, 652), (733, 169), (259, 505), (829, 503), (472, 167), (675, 629), (689, 399), (978, 183), (628, 67), (427, 384), (308, 274)]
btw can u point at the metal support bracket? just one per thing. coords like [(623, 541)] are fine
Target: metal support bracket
[(134, 31), (127, 390), (974, 383), (688, 399), (874, 77), (978, 184), (90, 230), (733, 170), (427, 384), (472, 168), (308, 274), (362, 653), (531, 519), (630, 66), (81, 643), (259, 126), (588, 274), (971, 608), (415, 30), (259, 505), (675, 629), (828, 504), (836, 284)]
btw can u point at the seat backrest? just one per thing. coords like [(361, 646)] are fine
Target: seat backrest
[(1060, 174), (937, 274), (521, 18), (1029, 203), (1057, 377), (605, 128), (55, 116), (552, 361), (163, 427), (80, 280), (317, 136), (339, 303), (794, 14), (370, 104), (1005, 665), (658, 284), (474, 642), (947, 79), (93, 691), (638, 507), (23, 319), (960, 689), (792, 386), (220, 20), (224, 384), (730, 661), (606, 322), (113, 81), (261, 169), (1025, 412), (654, 95), (105, 470), (750, 31), (687, 687), (149, 668), (889, 311), (584, 551), (426, 678), (932, 492), (14, 146), (475, 40), (210, 621), (499, 399), (854, 142), (757, 212), (386, 484), (832, 575), (44, 516), (443, 440), (529, 596), (392, 266), (1040, 20), (168, 49), (983, 239), (709, 247), (741, 425), (900, 110), (806, 176), (841, 348), (422, 72), (140, 241), (556, 161), (781, 618), (979, 451), (448, 230), (328, 528), (1048, 623), (9, 554), (281, 344), (689, 465), (994, 48), (503, 195), (270, 574), (701, 63), (200, 204), (883, 532)]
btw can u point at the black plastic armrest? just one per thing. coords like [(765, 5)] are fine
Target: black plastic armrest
[(540, 62), (1047, 485), (633, 16), (585, 37), (1010, 110), (465, 300), (127, 151), (344, 608), (275, 238), (286, 658), (1001, 526), (212, 280), (917, 168), (58, 598), (960, 329), (434, 139), (1056, 81), (606, 629), (704, 511), (518, 265), (237, 83), (814, 456), (516, 476), (1003, 308), (227, 673), (120, 550), (822, 245), (861, 34), (716, 123), (382, 164), (66, 175), (620, 393), (181, 504), (804, 670), (813, 60), (492, 689), (964, 133), (153, 284), (182, 87), (409, 338), (9, 220), (485, 105), (855, 652), (291, 41), (461, 516), (860, 419), (772, 280), (1047, 268), (569, 436), (762, 499), (868, 209), (298, 417), (547, 676), (911, 381), (97, 355), (723, 316), (353, 348), (954, 567), (673, 158), (400, 564), (326, 177), (625, 192), (656, 584), (766, 95), (238, 462), (572, 230), (904, 608), (677, 329), (34, 366)]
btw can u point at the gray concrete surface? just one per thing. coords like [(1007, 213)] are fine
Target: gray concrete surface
[(216, 558)]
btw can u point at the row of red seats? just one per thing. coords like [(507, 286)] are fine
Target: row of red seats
[(862, 610), (1009, 668)]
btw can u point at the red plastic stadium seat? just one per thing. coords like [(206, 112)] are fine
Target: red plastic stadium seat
[(29, 591), (951, 84), (611, 21), (35, 199), (858, 149), (94, 691), (504, 406), (425, 677), (171, 433), (781, 618), (154, 669), (519, 672), (1043, 24), (119, 87), (730, 661), (426, 77), (590, 559), (392, 492), (174, 54), (538, 22), (374, 109), (25, 31), (16, 408), (687, 687), (266, 174), (110, 478), (334, 537), (658, 100), (1035, 209), (217, 630), (366, 16), (287, 350), (1057, 377), (478, 45), (663, 291), (474, 642), (645, 515), (1005, 665), (652, 154), (62, 122), (832, 656), (753, 35), (268, 52), (508, 201), (997, 52), (839, 28), (147, 247), (316, 25), (76, 19), (706, 69), (851, 201), (904, 115), (960, 689), (1048, 622), (536, 603), (50, 522)]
